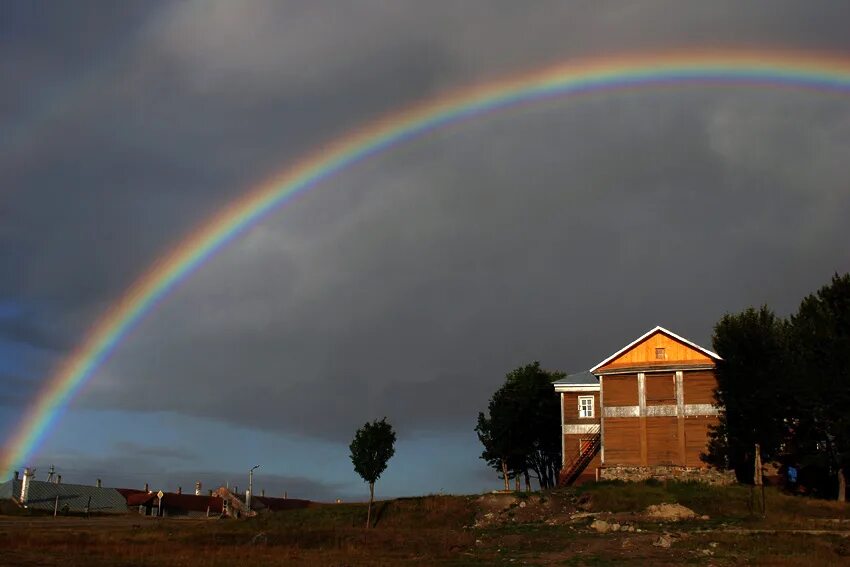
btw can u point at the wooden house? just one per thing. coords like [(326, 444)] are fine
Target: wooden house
[(649, 404)]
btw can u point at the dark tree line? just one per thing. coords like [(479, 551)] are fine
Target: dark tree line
[(521, 432), (785, 384)]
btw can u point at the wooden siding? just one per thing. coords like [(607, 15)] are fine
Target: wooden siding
[(620, 390), (571, 408), (643, 353), (696, 438), (699, 387), (660, 389), (662, 441), (621, 441)]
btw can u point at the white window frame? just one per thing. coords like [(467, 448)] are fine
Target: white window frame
[(591, 406)]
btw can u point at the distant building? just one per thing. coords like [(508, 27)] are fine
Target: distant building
[(64, 498), (234, 503), (650, 404), (176, 504)]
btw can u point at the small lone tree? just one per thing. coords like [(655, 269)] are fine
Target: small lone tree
[(371, 449)]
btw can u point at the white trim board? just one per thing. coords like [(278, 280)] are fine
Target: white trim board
[(676, 368), (571, 388), (579, 429), (688, 410)]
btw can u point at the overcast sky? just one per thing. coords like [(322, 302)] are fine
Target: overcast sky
[(408, 285)]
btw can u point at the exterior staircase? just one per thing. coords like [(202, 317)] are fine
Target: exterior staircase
[(573, 469)]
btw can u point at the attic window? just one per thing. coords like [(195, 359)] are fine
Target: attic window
[(660, 353)]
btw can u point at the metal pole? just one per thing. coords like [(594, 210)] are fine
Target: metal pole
[(250, 488)]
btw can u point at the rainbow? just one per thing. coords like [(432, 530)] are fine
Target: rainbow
[(801, 70)]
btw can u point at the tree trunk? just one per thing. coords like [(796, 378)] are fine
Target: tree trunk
[(505, 474), (371, 499), (517, 482), (527, 482), (842, 485)]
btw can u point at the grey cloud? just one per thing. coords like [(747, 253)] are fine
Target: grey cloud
[(147, 468), (138, 450), (16, 391), (423, 292)]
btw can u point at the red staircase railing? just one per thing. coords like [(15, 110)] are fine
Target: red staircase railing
[(574, 468)]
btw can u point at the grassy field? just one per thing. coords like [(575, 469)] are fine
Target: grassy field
[(501, 529)]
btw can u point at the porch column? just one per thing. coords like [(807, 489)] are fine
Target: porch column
[(641, 379), (680, 415)]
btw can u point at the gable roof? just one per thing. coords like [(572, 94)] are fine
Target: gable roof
[(656, 329)]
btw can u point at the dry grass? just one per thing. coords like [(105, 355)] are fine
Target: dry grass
[(437, 530)]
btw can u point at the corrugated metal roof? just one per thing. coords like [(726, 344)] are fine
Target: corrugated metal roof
[(584, 378), (172, 500), (7, 490), (72, 497), (127, 492)]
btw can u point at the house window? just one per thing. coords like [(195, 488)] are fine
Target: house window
[(660, 353), (585, 406)]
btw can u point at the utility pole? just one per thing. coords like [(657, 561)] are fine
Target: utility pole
[(250, 488)]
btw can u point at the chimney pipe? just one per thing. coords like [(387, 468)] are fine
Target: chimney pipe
[(263, 492), (147, 488), (209, 492), (25, 485), (179, 490), (17, 475), (99, 484), (59, 479), (198, 488)]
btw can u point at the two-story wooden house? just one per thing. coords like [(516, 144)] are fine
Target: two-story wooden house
[(649, 404)]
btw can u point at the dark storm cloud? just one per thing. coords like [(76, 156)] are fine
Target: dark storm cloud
[(414, 301), (409, 285)]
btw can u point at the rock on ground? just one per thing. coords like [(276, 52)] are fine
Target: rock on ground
[(670, 512), (600, 526)]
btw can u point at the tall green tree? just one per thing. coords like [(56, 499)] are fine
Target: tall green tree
[(752, 381), (786, 385), (521, 430), (821, 353), (371, 450)]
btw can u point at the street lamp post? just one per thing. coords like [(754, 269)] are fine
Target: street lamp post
[(250, 487)]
